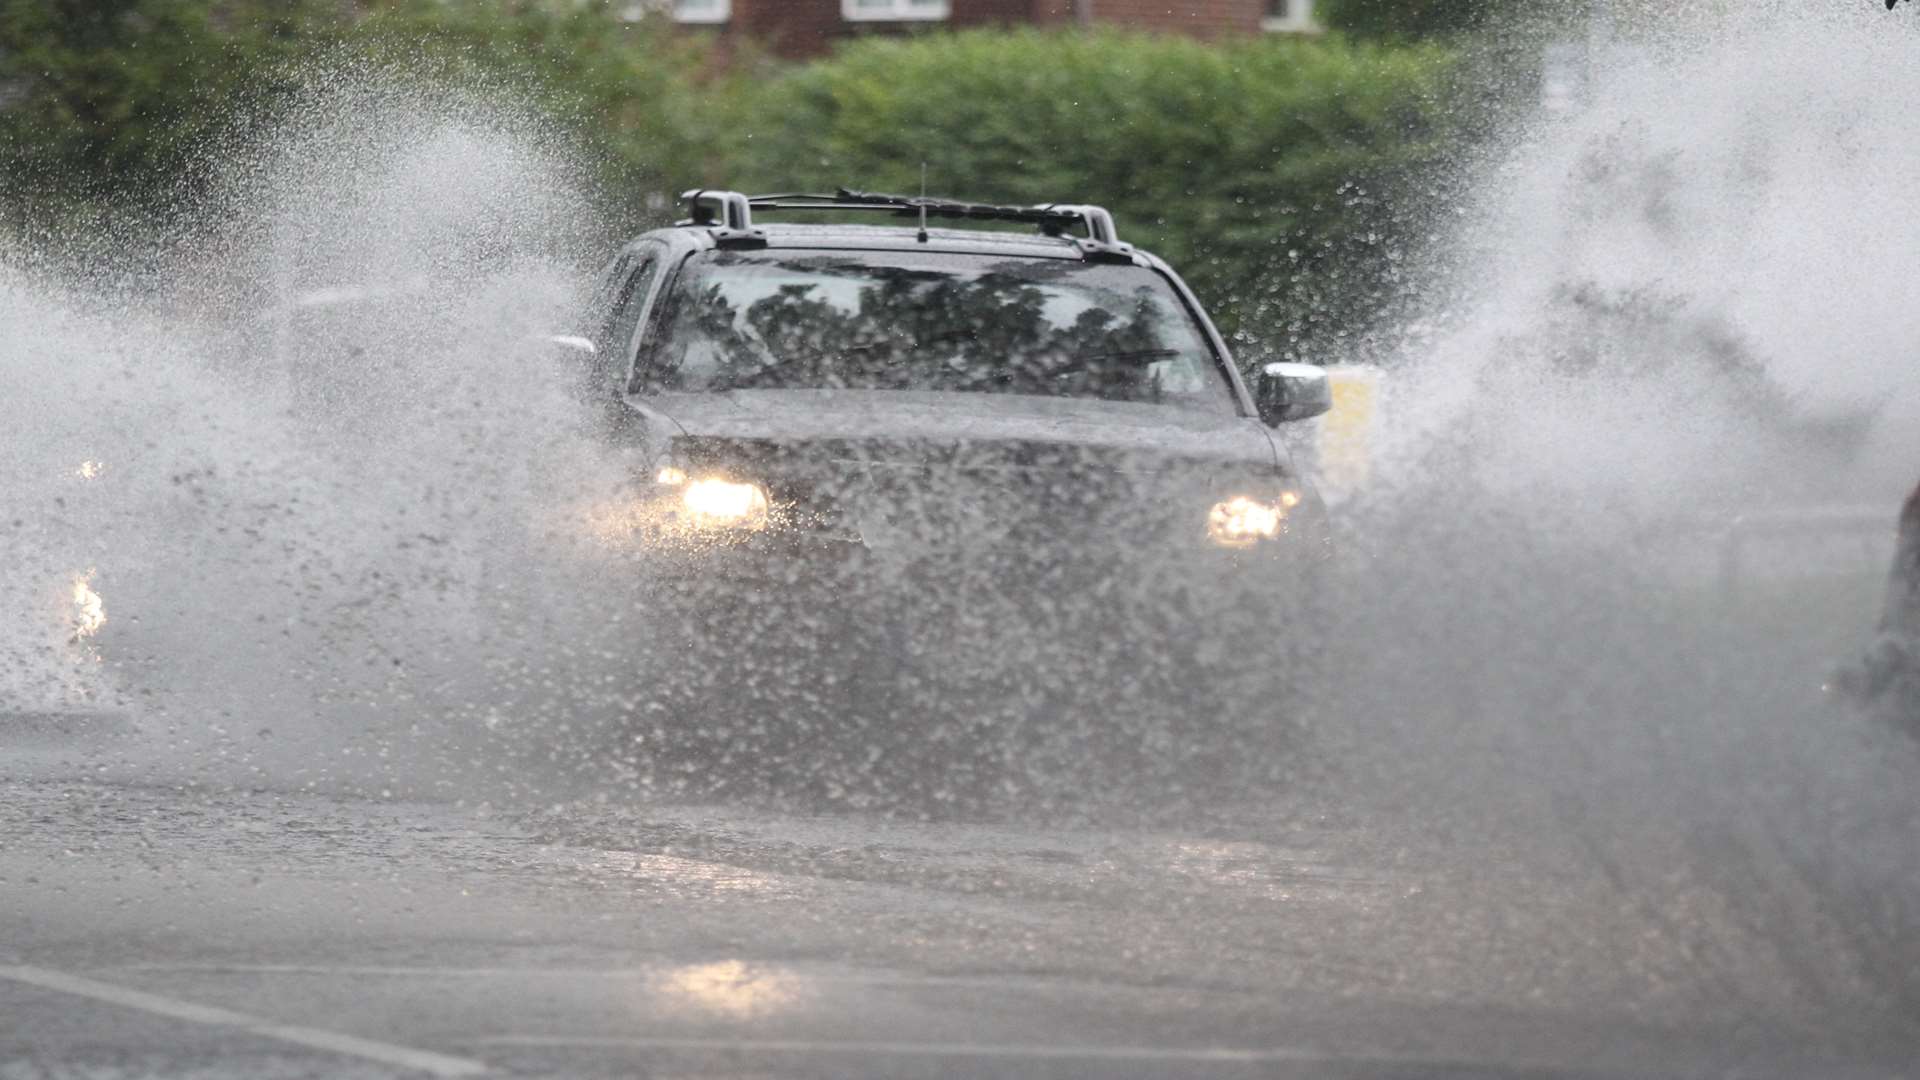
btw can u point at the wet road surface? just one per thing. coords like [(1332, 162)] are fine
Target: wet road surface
[(162, 926)]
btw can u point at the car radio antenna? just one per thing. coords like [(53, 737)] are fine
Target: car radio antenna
[(923, 202)]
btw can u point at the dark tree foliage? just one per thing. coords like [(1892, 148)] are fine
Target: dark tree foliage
[(111, 97), (114, 106)]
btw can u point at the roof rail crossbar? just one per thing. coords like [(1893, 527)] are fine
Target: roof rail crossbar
[(730, 215), (1052, 219)]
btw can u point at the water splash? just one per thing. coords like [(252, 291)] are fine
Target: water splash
[(1669, 321), (1697, 275), (299, 424)]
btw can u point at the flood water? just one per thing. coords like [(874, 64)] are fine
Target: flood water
[(1561, 787)]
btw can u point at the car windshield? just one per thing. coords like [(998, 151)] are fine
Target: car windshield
[(965, 323)]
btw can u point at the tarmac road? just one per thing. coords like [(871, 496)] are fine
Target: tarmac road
[(162, 927)]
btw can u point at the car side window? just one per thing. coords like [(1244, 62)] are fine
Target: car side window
[(629, 302)]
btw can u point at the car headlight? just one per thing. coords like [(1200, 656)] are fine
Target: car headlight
[(1243, 521), (714, 503)]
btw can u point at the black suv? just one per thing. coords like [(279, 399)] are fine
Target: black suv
[(900, 449)]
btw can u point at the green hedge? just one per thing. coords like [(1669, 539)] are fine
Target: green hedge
[(1268, 170), (1264, 169)]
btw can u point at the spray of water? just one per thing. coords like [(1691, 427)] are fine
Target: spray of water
[(316, 416), (274, 451), (1691, 275), (1670, 309), (345, 523)]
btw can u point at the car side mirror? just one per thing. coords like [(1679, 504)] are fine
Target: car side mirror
[(1284, 392)]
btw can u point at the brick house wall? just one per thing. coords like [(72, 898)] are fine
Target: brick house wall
[(1202, 18), (803, 28)]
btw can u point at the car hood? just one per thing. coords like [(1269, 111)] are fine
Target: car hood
[(887, 423)]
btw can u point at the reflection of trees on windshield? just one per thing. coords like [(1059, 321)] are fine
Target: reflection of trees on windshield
[(895, 328)]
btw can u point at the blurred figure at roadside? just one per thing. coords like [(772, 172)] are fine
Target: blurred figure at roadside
[(1903, 589), (1888, 678)]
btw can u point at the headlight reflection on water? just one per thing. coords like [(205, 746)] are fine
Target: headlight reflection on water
[(91, 613), (730, 988)]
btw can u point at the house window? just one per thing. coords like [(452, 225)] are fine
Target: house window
[(1288, 16), (702, 11), (893, 10)]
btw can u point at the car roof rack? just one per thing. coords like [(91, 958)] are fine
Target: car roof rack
[(730, 214)]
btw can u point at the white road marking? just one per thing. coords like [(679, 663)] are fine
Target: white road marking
[(390, 970), (425, 1061)]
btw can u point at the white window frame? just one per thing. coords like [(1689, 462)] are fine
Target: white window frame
[(723, 11), (897, 11), (1299, 19)]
